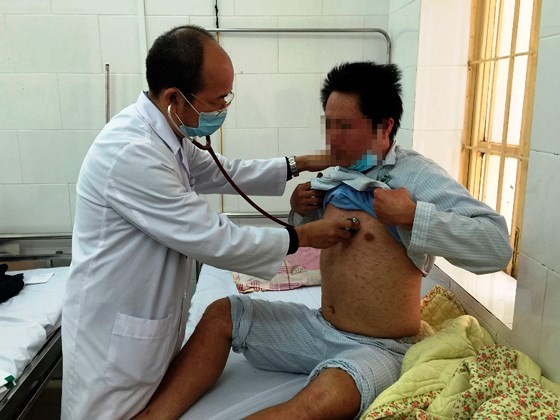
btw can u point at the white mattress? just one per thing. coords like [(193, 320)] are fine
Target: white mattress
[(242, 389), (27, 320)]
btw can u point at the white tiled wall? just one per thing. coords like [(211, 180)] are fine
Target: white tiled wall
[(82, 101), (53, 43), (529, 305), (34, 208), (11, 173), (29, 101), (119, 37), (52, 63), (545, 116), (186, 8), (441, 81), (442, 40), (536, 323), (88, 7), (540, 240), (442, 146), (550, 25), (440, 97), (251, 143), (404, 29), (25, 6), (549, 335), (44, 155)]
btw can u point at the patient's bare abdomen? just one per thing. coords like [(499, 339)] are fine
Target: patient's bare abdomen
[(370, 286)]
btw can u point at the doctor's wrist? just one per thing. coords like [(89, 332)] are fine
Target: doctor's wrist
[(292, 166), (313, 163)]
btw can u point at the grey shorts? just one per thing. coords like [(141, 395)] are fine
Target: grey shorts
[(290, 337)]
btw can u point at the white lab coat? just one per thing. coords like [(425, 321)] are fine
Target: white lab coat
[(138, 216)]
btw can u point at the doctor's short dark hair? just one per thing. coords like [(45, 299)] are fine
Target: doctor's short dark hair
[(377, 85), (175, 60)]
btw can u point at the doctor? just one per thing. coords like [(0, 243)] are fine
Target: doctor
[(138, 215)]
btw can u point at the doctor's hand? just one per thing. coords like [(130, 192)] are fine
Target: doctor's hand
[(313, 163), (323, 233), (394, 207), (305, 200)]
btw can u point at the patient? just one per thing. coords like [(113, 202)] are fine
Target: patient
[(409, 209)]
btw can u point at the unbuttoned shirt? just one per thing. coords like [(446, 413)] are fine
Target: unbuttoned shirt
[(448, 221)]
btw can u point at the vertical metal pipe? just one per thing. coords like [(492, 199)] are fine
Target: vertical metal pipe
[(107, 93), (142, 37)]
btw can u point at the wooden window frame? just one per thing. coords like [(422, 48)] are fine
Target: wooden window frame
[(477, 142)]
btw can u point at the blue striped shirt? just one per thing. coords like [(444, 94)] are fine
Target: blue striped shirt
[(448, 221)]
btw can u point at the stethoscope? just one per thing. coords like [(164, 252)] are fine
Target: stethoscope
[(208, 148)]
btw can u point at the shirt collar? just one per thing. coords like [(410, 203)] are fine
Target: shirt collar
[(157, 121), (390, 159), (391, 156)]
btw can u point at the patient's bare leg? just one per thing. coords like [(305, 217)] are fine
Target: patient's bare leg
[(197, 366), (332, 394)]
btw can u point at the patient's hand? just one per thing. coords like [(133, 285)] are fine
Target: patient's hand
[(305, 200), (394, 207)]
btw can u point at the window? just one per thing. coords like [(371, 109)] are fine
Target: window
[(500, 90)]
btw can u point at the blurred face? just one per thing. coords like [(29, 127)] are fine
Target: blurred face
[(350, 134)]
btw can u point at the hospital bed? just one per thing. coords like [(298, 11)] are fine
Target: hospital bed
[(30, 341), (443, 370), (242, 389)]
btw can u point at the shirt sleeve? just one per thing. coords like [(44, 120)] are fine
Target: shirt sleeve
[(450, 223), (144, 186), (266, 177)]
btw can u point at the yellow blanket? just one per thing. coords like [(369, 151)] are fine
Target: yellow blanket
[(457, 372)]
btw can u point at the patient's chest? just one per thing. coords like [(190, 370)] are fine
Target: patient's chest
[(368, 279), (369, 252)]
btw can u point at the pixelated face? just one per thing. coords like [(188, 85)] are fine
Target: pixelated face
[(349, 133)]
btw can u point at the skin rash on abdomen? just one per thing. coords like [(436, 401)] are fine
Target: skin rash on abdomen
[(369, 285)]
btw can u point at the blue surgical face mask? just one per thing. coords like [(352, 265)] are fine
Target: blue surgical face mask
[(208, 122), (365, 163)]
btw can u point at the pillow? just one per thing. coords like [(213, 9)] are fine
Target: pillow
[(297, 270)]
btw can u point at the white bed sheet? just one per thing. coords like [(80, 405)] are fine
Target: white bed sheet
[(242, 389), (27, 320)]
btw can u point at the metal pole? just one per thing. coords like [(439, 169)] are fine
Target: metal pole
[(107, 93)]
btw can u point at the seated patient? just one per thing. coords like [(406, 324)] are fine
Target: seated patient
[(352, 348)]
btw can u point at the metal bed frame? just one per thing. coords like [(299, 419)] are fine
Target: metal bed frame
[(20, 399)]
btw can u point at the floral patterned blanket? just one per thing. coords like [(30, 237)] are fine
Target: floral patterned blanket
[(457, 372)]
